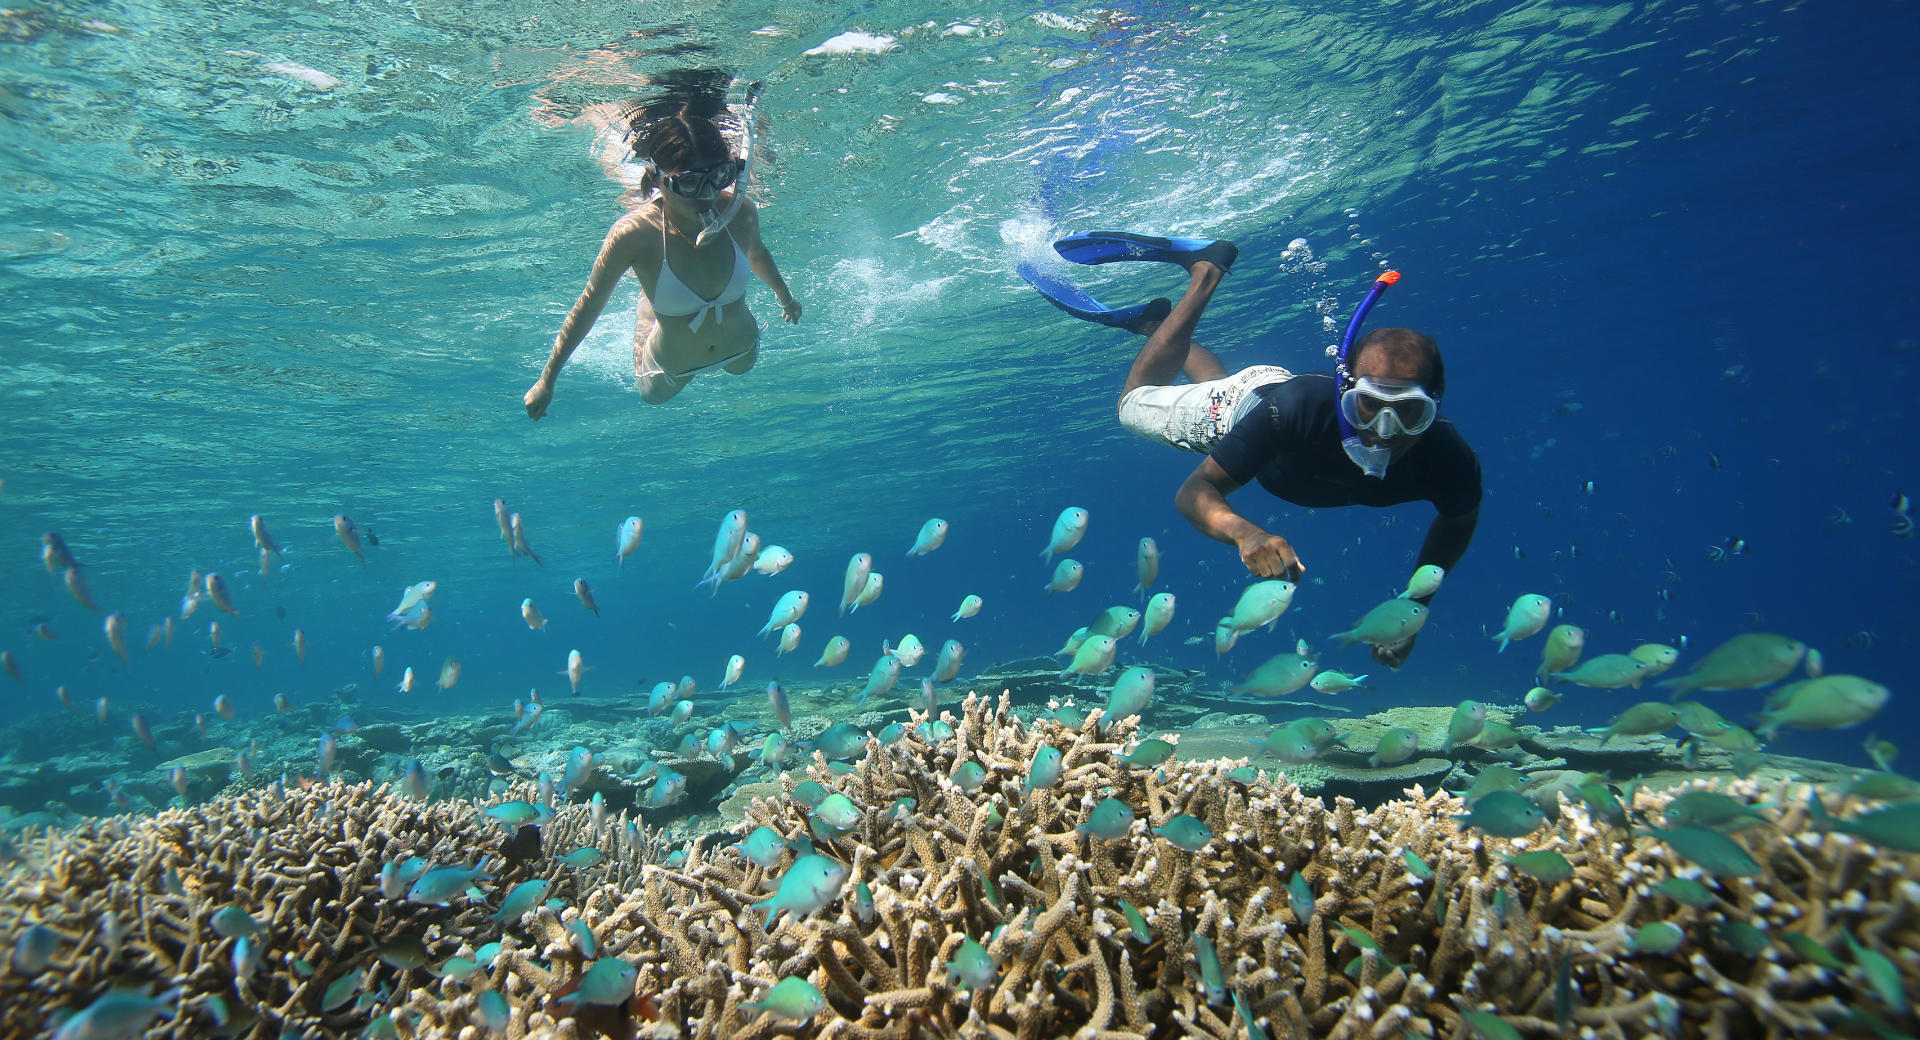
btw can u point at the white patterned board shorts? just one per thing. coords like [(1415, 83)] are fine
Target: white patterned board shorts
[(1195, 416)]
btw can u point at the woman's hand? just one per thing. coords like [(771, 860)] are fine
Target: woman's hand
[(538, 398), (790, 310)]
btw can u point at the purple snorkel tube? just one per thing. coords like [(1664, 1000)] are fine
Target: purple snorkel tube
[(1371, 461)]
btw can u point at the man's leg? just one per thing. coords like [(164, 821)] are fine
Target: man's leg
[(1170, 348)]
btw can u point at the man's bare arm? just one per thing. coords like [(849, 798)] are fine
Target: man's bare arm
[(1202, 499)]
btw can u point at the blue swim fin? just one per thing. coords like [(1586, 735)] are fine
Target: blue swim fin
[(1075, 301), (1106, 247)]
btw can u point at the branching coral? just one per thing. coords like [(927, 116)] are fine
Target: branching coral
[(1319, 921)]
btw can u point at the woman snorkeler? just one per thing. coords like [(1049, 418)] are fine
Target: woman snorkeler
[(691, 243)]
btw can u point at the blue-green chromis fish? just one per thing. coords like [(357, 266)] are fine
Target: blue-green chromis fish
[(585, 856), (1742, 937), (1416, 866), (1488, 1026), (1185, 832), (1136, 921), (512, 815), (342, 990), (1656, 937), (1813, 951), (992, 891), (1071, 716), (1289, 745), (1711, 809), (1504, 814), (1254, 1032), (970, 776), (1543, 865), (1132, 692), (610, 981), (1686, 892), (1882, 974), (1300, 898), (837, 812), (1469, 717), (492, 1011), (1711, 851), (809, 885), (1213, 980), (792, 998), (809, 793), (1148, 753), (1894, 827), (972, 967), (233, 923), (764, 847), (583, 938), (1110, 819), (35, 948), (119, 1014), (1044, 771), (439, 887), (841, 740)]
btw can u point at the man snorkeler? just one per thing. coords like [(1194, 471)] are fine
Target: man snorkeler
[(1368, 434)]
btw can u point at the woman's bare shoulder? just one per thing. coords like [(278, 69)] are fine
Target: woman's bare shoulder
[(638, 232)]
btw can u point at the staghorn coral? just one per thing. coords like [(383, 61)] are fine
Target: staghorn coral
[(305, 863), (1012, 873), (1381, 954)]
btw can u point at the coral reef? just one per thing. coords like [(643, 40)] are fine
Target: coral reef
[(1328, 920)]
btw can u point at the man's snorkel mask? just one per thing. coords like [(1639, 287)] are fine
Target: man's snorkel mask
[(1399, 409)]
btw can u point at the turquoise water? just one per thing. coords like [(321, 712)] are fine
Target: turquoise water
[(233, 292)]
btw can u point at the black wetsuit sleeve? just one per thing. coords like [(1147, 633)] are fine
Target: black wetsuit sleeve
[(1453, 476), (1447, 541)]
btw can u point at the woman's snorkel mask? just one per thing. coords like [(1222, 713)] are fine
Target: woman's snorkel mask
[(706, 183), (1397, 408)]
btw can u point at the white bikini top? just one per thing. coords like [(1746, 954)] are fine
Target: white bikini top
[(672, 297)]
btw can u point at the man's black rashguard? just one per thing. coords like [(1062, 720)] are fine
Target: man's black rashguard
[(1290, 443)]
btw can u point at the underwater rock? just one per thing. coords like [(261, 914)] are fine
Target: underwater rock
[(1348, 776), (386, 738), (213, 764)]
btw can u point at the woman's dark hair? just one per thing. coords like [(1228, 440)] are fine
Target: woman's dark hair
[(679, 128)]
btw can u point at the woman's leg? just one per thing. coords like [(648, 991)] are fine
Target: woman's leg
[(740, 365)]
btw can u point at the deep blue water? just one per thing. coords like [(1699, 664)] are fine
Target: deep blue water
[(231, 293)]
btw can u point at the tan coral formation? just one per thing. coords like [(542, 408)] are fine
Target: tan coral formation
[(1013, 873)]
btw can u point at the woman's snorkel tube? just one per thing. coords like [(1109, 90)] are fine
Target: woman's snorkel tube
[(1373, 459), (712, 224)]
